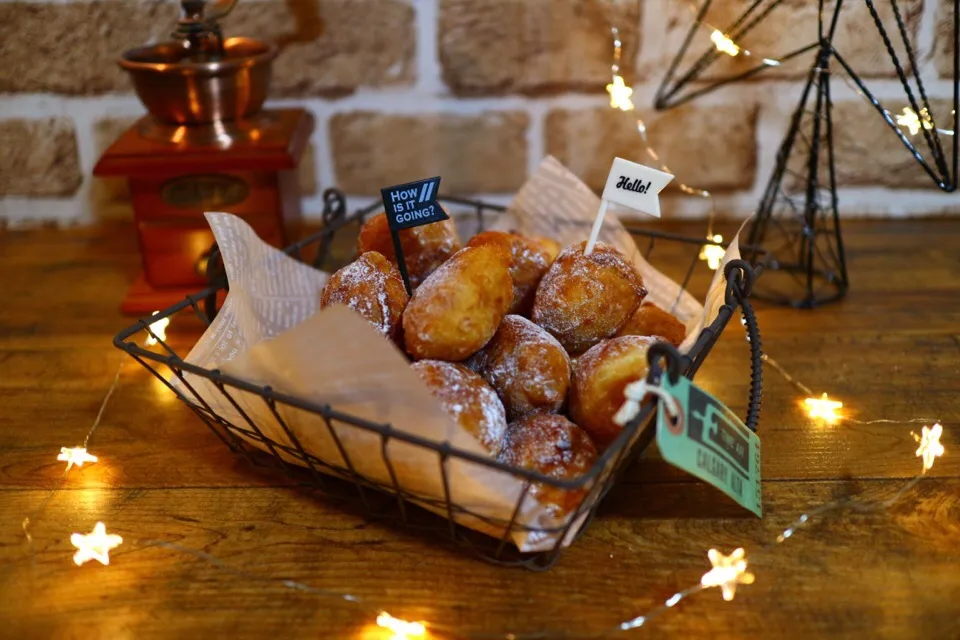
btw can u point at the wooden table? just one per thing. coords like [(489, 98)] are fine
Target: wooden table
[(890, 350)]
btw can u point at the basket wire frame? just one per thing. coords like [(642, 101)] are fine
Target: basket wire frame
[(797, 221), (389, 501)]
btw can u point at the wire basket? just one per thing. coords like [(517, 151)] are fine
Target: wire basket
[(389, 501)]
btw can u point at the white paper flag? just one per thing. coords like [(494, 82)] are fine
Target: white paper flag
[(636, 186)]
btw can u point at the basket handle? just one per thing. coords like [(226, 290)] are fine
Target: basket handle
[(664, 358), (334, 212), (740, 277)]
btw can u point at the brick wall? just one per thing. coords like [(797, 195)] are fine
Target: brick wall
[(475, 90)]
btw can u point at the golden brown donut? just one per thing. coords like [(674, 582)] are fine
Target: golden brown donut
[(651, 320), (601, 374), (458, 308), (528, 263), (549, 247), (555, 447), (424, 248), (372, 287), (467, 399), (526, 366), (583, 299)]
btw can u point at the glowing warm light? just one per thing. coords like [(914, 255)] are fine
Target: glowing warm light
[(930, 448), (713, 253), (75, 456), (95, 545), (401, 629), (724, 44), (160, 328), (727, 572), (620, 94), (913, 122), (823, 408)]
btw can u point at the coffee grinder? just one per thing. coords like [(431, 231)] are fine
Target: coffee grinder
[(205, 145)]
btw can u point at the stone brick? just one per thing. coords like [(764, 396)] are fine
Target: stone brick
[(73, 48), (529, 46), (868, 153), (485, 153), (329, 47), (707, 147), (791, 25), (39, 158), (943, 43)]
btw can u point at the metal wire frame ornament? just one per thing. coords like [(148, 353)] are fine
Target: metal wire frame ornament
[(802, 236), (389, 501)]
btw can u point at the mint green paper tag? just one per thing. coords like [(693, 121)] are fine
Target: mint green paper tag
[(711, 443)]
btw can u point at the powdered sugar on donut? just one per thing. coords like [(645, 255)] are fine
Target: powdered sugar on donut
[(583, 299), (528, 368), (467, 399), (370, 286)]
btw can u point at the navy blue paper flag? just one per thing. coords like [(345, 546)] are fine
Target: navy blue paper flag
[(413, 204)]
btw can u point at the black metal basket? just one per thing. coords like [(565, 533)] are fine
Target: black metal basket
[(390, 501)]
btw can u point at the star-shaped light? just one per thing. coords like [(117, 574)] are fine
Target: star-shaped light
[(713, 253), (909, 119), (620, 94), (724, 44), (823, 408), (401, 629), (95, 545), (159, 327), (75, 456), (930, 448), (727, 572)]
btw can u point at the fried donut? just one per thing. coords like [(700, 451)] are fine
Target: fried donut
[(458, 308), (372, 287), (553, 446), (528, 263), (526, 366), (585, 298), (651, 320), (549, 247), (424, 248), (467, 399), (601, 374)]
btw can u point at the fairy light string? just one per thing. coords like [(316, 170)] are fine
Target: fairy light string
[(620, 94), (79, 455), (73, 456)]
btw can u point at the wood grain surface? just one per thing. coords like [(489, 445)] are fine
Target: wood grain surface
[(891, 349)]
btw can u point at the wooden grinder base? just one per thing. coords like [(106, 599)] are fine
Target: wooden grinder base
[(176, 174)]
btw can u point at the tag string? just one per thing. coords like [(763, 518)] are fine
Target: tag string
[(635, 392)]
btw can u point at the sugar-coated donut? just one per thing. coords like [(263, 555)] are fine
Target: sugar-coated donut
[(372, 287), (458, 308), (526, 366), (555, 447), (528, 263), (651, 320), (599, 379), (424, 248), (583, 299), (549, 247), (467, 399)]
